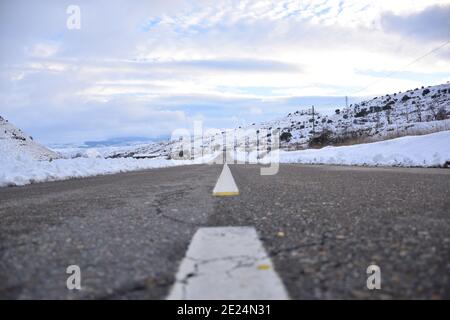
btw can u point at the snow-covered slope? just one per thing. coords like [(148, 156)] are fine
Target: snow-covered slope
[(14, 143), (417, 111), (150, 150)]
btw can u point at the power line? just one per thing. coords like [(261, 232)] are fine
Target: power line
[(405, 66), (396, 71)]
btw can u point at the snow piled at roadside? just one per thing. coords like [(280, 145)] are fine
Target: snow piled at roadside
[(431, 150), (18, 170)]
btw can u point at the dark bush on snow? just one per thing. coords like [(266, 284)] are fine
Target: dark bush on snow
[(322, 139), (441, 114), (362, 113), (286, 136)]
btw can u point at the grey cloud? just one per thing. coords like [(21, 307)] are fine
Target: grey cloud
[(431, 24), (253, 65)]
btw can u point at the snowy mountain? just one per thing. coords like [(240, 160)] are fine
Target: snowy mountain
[(14, 143)]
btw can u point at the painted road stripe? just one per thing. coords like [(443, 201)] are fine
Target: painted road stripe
[(225, 186), (227, 263)]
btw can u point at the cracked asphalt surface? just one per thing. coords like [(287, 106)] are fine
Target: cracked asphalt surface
[(321, 225)]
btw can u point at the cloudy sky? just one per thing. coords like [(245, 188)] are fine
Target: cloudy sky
[(145, 68)]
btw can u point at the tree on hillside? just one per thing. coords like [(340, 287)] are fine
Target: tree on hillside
[(437, 109), (388, 116), (419, 108), (286, 136)]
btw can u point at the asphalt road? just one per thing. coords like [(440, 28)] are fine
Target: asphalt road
[(321, 225)]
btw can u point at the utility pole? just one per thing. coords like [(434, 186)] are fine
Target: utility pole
[(235, 146), (314, 122), (257, 144), (192, 147), (346, 102), (224, 147)]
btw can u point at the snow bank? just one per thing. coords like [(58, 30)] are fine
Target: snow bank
[(18, 170), (25, 171), (412, 151), (93, 153)]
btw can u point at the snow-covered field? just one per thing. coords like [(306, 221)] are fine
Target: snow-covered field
[(429, 150)]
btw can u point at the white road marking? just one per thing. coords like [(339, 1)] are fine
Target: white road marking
[(225, 185), (227, 263)]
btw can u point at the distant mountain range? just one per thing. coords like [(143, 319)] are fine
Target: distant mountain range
[(112, 142), (121, 141)]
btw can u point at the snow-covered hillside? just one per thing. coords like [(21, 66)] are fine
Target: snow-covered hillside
[(150, 150), (138, 151), (417, 111), (16, 144)]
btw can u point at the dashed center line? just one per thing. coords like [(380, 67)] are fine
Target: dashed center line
[(225, 185), (227, 263)]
